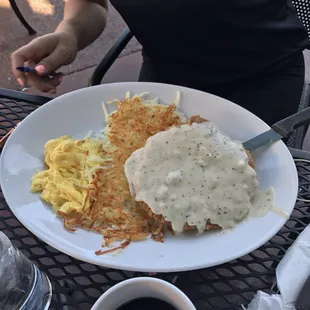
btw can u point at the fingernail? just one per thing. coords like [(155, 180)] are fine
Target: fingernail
[(52, 91), (60, 78), (40, 69), (20, 82)]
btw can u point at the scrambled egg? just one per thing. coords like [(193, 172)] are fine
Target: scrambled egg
[(64, 184)]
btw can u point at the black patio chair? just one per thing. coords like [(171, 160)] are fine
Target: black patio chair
[(20, 16), (296, 139)]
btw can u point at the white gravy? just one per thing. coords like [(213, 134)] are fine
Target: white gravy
[(194, 173)]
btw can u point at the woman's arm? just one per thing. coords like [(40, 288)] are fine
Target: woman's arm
[(84, 19), (83, 22)]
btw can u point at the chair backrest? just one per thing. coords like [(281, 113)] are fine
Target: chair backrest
[(303, 12)]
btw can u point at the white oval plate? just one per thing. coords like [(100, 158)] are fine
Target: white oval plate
[(79, 112)]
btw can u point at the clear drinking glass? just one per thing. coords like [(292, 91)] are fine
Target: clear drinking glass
[(22, 285)]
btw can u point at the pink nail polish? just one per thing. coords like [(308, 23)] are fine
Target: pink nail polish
[(40, 69), (20, 82)]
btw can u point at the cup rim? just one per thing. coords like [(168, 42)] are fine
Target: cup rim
[(142, 280)]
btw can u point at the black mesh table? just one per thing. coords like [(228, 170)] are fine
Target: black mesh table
[(77, 285)]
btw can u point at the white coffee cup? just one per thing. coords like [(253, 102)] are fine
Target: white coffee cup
[(128, 290)]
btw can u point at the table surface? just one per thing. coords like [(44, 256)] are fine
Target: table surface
[(77, 285)]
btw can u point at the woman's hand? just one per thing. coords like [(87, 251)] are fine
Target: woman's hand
[(83, 22), (47, 54)]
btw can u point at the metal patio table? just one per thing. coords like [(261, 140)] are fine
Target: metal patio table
[(77, 285)]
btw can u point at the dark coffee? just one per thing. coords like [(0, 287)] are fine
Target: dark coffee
[(148, 303)]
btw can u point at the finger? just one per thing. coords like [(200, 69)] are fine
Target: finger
[(44, 83), (35, 51), (53, 61), (17, 60), (19, 57)]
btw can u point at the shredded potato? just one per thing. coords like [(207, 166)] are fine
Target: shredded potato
[(111, 211)]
